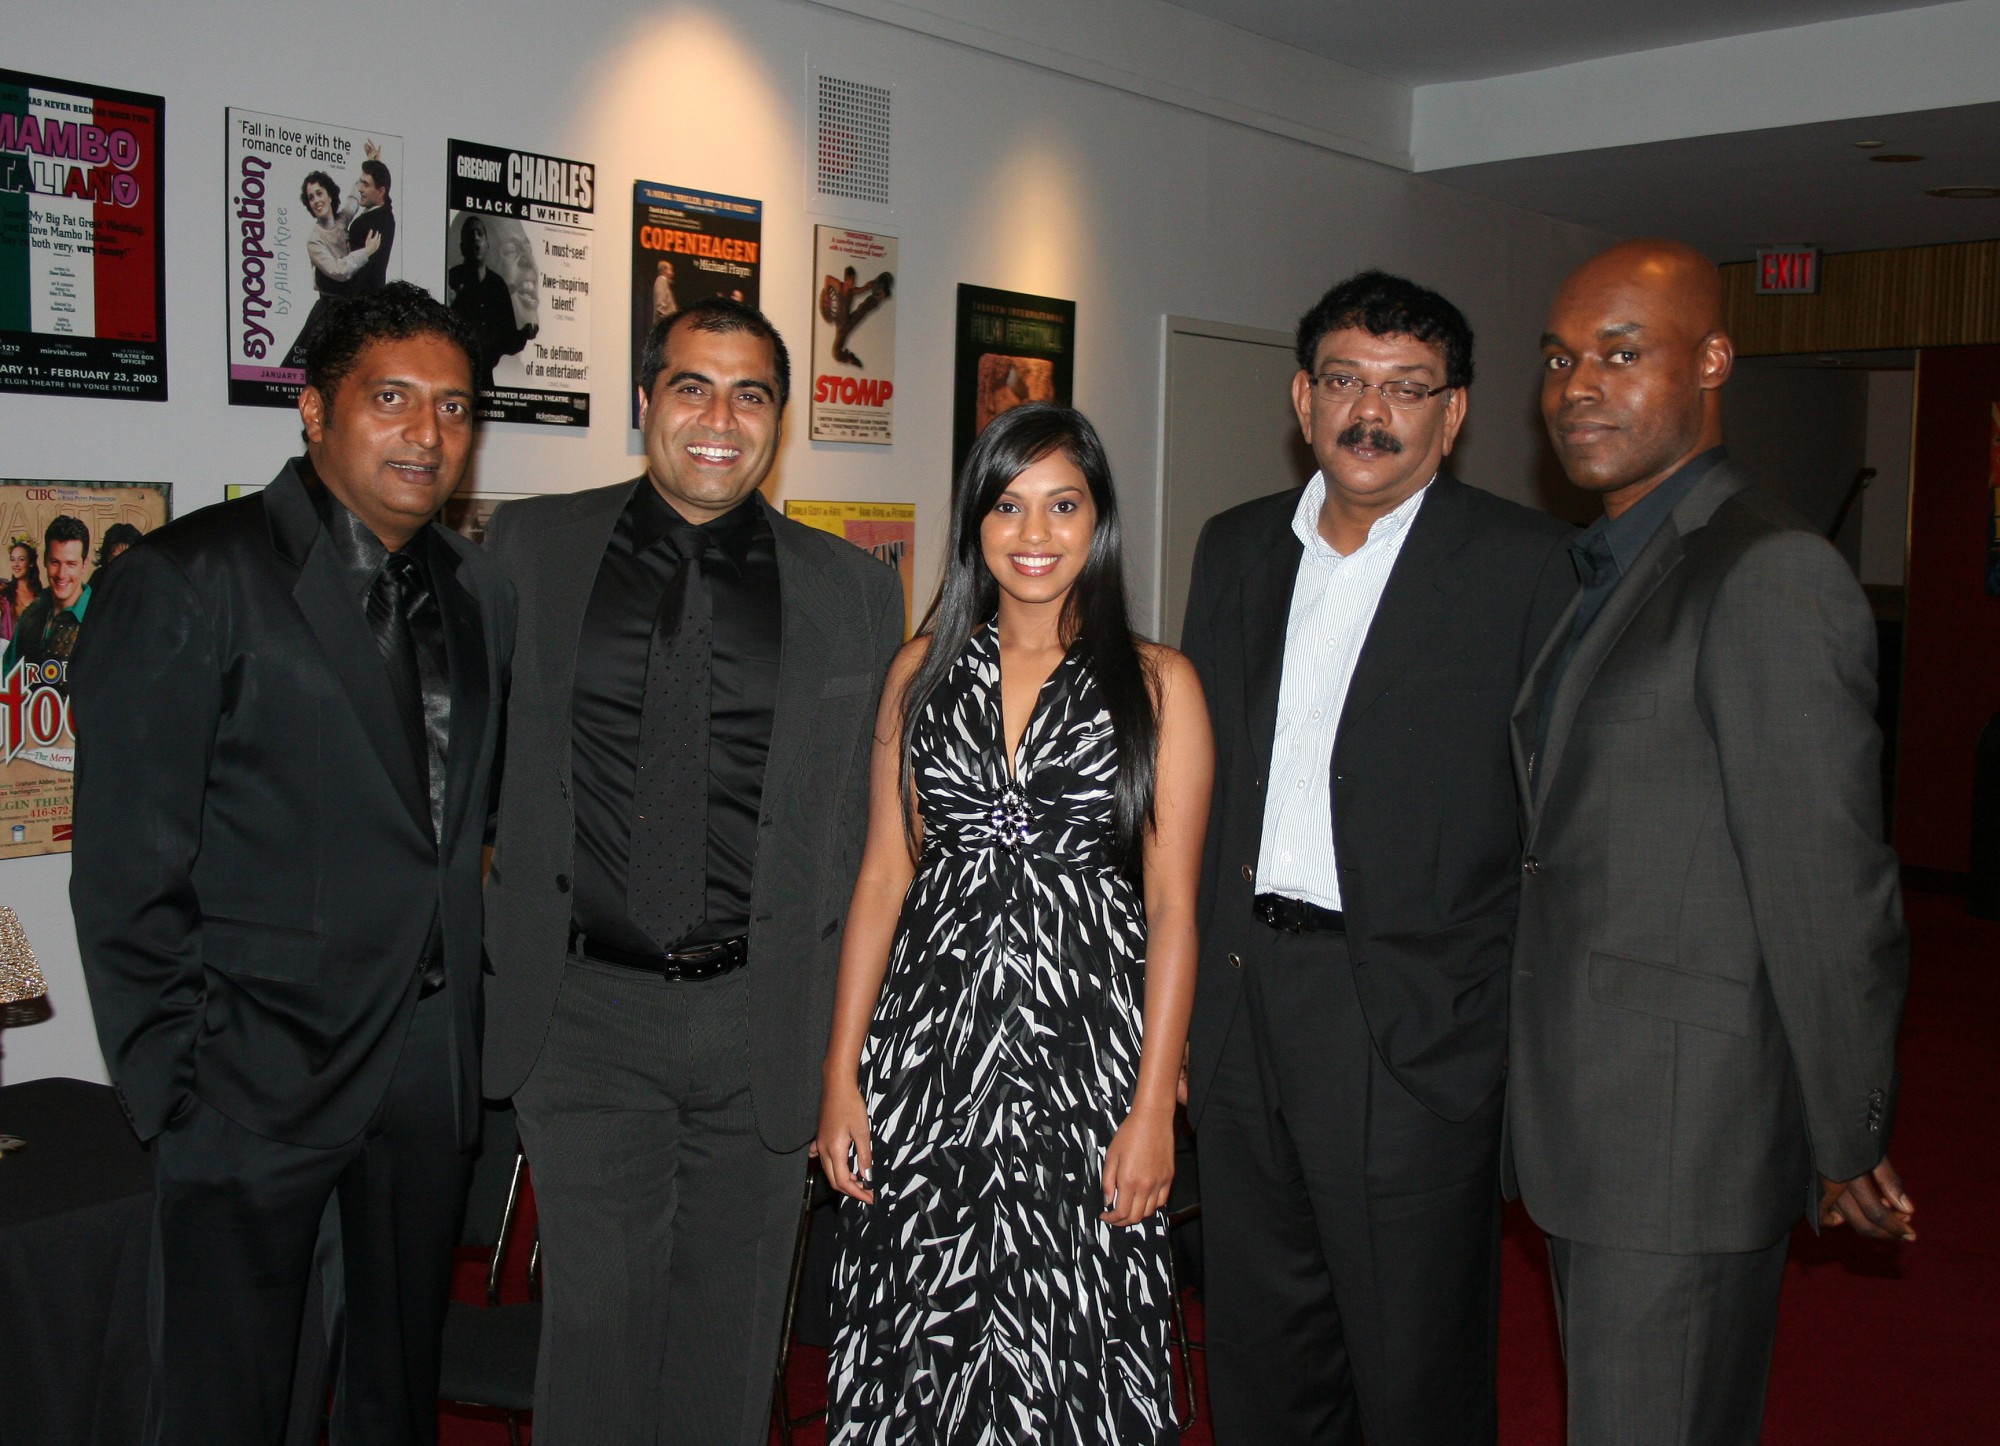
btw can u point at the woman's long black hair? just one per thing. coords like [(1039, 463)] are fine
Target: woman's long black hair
[(1095, 621)]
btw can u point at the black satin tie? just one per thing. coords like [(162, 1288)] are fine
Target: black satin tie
[(403, 615), (668, 871)]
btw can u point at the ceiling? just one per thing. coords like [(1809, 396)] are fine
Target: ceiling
[(1729, 194), (1423, 42)]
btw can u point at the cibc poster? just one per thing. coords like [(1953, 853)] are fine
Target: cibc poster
[(83, 271), (60, 537), (310, 223), (854, 336), (688, 245), (518, 237), (887, 529), (1012, 348)]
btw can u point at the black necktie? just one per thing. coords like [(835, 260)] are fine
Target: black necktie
[(668, 872), (392, 597)]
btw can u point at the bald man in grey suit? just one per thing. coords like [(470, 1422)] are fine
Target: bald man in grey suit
[(1710, 957)]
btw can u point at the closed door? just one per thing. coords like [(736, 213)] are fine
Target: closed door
[(1231, 435)]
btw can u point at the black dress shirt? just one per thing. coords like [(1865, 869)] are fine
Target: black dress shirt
[(740, 563), (1603, 554)]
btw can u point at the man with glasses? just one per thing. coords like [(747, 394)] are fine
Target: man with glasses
[(1361, 641)]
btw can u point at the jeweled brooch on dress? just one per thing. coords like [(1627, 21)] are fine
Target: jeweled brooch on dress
[(1009, 818)]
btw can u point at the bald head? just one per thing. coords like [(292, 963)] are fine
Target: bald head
[(1635, 356)]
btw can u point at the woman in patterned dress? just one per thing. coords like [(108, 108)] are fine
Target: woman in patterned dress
[(1015, 983)]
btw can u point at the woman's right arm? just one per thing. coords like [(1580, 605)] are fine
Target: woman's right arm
[(886, 871)]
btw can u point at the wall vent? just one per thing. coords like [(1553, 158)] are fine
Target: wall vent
[(851, 140)]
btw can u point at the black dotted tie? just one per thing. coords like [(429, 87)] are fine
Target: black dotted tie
[(667, 880), (395, 593)]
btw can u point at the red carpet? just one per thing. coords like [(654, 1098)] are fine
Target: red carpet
[(1875, 1344)]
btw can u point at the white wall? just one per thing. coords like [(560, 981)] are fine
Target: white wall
[(1007, 175)]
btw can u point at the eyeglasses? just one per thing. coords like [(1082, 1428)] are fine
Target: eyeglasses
[(1341, 387)]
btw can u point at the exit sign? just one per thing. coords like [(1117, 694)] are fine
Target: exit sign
[(1787, 270)]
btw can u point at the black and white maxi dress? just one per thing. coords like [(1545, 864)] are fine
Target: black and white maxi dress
[(979, 1300)]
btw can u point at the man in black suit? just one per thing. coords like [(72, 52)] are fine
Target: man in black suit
[(1360, 644), (287, 709), (376, 217), (681, 824)]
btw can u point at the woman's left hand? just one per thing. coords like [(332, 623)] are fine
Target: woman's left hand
[(1139, 1168)]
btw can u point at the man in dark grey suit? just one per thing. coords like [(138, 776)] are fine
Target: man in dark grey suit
[(1710, 961), (1360, 642), (680, 825)]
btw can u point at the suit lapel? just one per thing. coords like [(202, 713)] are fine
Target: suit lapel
[(574, 551), (465, 650), (1528, 703), (1268, 579), (807, 597), (334, 615), (1420, 588)]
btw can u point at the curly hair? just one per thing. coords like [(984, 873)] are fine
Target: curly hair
[(396, 312)]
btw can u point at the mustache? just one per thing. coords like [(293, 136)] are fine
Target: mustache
[(1360, 434)]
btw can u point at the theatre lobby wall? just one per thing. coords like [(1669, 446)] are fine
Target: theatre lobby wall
[(1004, 174)]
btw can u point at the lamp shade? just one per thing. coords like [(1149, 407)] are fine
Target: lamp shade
[(20, 975)]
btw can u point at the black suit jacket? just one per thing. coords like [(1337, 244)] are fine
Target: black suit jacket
[(1426, 827), (841, 613), (374, 275), (254, 869)]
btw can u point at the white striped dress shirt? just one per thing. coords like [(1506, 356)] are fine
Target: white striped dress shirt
[(1333, 605)]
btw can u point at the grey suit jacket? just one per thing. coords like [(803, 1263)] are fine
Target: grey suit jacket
[(1710, 956), (842, 620)]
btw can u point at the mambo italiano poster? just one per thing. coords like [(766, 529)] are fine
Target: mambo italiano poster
[(854, 336), (311, 222), (83, 274), (518, 238), (688, 245), (60, 537)]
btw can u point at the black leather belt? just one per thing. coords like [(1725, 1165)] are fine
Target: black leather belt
[(1295, 916), (703, 961)]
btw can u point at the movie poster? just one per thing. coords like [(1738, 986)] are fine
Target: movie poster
[(887, 529), (60, 537), (83, 271), (688, 245), (310, 222), (517, 252), (854, 336), (1012, 348), (467, 513)]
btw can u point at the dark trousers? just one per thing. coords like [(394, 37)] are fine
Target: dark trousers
[(1666, 1350), (667, 1224), (1352, 1236), (236, 1221)]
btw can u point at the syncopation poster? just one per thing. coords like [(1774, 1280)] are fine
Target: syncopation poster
[(60, 537), (688, 245), (887, 529), (83, 272), (517, 254), (311, 222), (854, 336), (1012, 348)]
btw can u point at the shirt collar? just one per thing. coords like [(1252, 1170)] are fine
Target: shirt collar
[(360, 551), (1627, 534), (1305, 521), (730, 534), (77, 608)]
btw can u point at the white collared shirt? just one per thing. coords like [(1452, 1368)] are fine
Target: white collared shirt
[(1333, 605)]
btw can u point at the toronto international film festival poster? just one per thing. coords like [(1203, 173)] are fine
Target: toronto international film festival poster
[(518, 238), (887, 529), (854, 336), (60, 537), (688, 245), (83, 271), (1012, 348), (311, 222)]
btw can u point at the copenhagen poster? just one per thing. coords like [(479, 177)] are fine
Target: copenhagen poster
[(688, 245), (518, 236), (311, 223), (83, 309), (60, 537), (1012, 348), (854, 336)]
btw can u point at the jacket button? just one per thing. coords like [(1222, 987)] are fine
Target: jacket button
[(1249, 874), (1531, 865), (562, 883), (1235, 962)]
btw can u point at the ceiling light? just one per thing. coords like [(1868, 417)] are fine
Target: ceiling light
[(1894, 159), (1869, 145), (1965, 193)]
